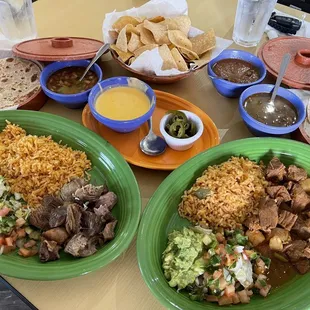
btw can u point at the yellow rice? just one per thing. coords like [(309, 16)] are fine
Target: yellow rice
[(236, 186), (36, 166)]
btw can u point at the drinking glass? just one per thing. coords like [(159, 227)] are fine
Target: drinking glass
[(251, 19), (17, 20)]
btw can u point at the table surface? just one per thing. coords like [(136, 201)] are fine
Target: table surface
[(120, 285)]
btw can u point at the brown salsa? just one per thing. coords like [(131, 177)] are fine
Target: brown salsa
[(66, 80), (285, 113), (236, 71)]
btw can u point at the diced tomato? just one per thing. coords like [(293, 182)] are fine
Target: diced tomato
[(20, 222), (14, 235), (212, 298), (21, 233), (230, 290), (224, 300), (217, 274), (2, 240), (27, 252), (223, 283), (8, 249), (9, 241), (236, 299), (5, 211), (30, 244), (243, 296)]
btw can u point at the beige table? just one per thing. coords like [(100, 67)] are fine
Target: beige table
[(120, 285)]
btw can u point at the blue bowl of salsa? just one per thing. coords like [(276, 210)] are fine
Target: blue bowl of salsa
[(130, 104), (56, 77), (229, 87)]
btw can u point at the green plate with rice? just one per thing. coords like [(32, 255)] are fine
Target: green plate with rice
[(163, 206), (107, 164)]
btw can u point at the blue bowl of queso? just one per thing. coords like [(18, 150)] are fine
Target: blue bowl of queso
[(122, 103)]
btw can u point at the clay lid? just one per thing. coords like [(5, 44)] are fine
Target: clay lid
[(57, 49), (298, 72)]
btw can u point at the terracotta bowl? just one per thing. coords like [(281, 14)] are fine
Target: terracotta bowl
[(37, 100), (154, 78), (301, 135)]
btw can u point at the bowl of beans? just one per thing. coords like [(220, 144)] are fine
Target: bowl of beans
[(60, 82)]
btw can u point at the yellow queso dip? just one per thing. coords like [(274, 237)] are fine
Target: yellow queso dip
[(122, 103)]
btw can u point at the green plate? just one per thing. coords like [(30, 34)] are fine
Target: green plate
[(107, 164), (161, 217)]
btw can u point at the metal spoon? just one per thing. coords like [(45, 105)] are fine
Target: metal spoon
[(270, 107), (100, 52), (151, 144)]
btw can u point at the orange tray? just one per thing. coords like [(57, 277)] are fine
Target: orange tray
[(128, 144)]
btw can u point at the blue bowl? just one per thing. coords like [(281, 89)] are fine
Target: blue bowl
[(128, 125), (229, 89), (72, 101), (261, 130)]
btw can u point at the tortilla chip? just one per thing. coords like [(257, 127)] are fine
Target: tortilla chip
[(182, 23), (131, 60), (123, 21), (140, 19), (113, 34), (181, 64), (123, 56), (134, 43), (179, 39), (146, 36), (171, 46), (187, 54), (156, 19), (159, 32), (168, 60), (203, 42), (131, 28), (121, 42), (204, 59), (144, 48)]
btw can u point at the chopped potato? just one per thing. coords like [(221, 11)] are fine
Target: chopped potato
[(276, 244), (255, 237), (283, 234)]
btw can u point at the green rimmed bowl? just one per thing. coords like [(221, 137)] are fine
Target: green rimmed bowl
[(161, 217), (107, 164)]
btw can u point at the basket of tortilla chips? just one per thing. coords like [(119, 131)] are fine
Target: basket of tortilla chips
[(160, 49)]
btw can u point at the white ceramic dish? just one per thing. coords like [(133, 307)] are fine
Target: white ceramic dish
[(181, 144)]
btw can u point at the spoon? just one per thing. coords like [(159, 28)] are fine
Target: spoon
[(100, 52), (270, 107), (151, 144)]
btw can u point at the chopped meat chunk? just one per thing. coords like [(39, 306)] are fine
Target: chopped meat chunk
[(296, 174), (89, 193), (49, 251), (307, 213), (287, 219), (279, 193), (302, 266), (81, 246), (306, 252), (295, 251), (92, 224), (58, 217), (302, 228), (40, 218), (70, 188), (109, 200), (289, 185), (268, 214), (252, 223), (58, 235), (108, 232), (300, 199), (73, 221), (276, 170), (51, 202)]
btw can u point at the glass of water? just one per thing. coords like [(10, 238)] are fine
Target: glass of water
[(251, 19), (17, 20)]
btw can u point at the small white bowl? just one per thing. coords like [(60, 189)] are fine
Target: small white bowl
[(181, 144)]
